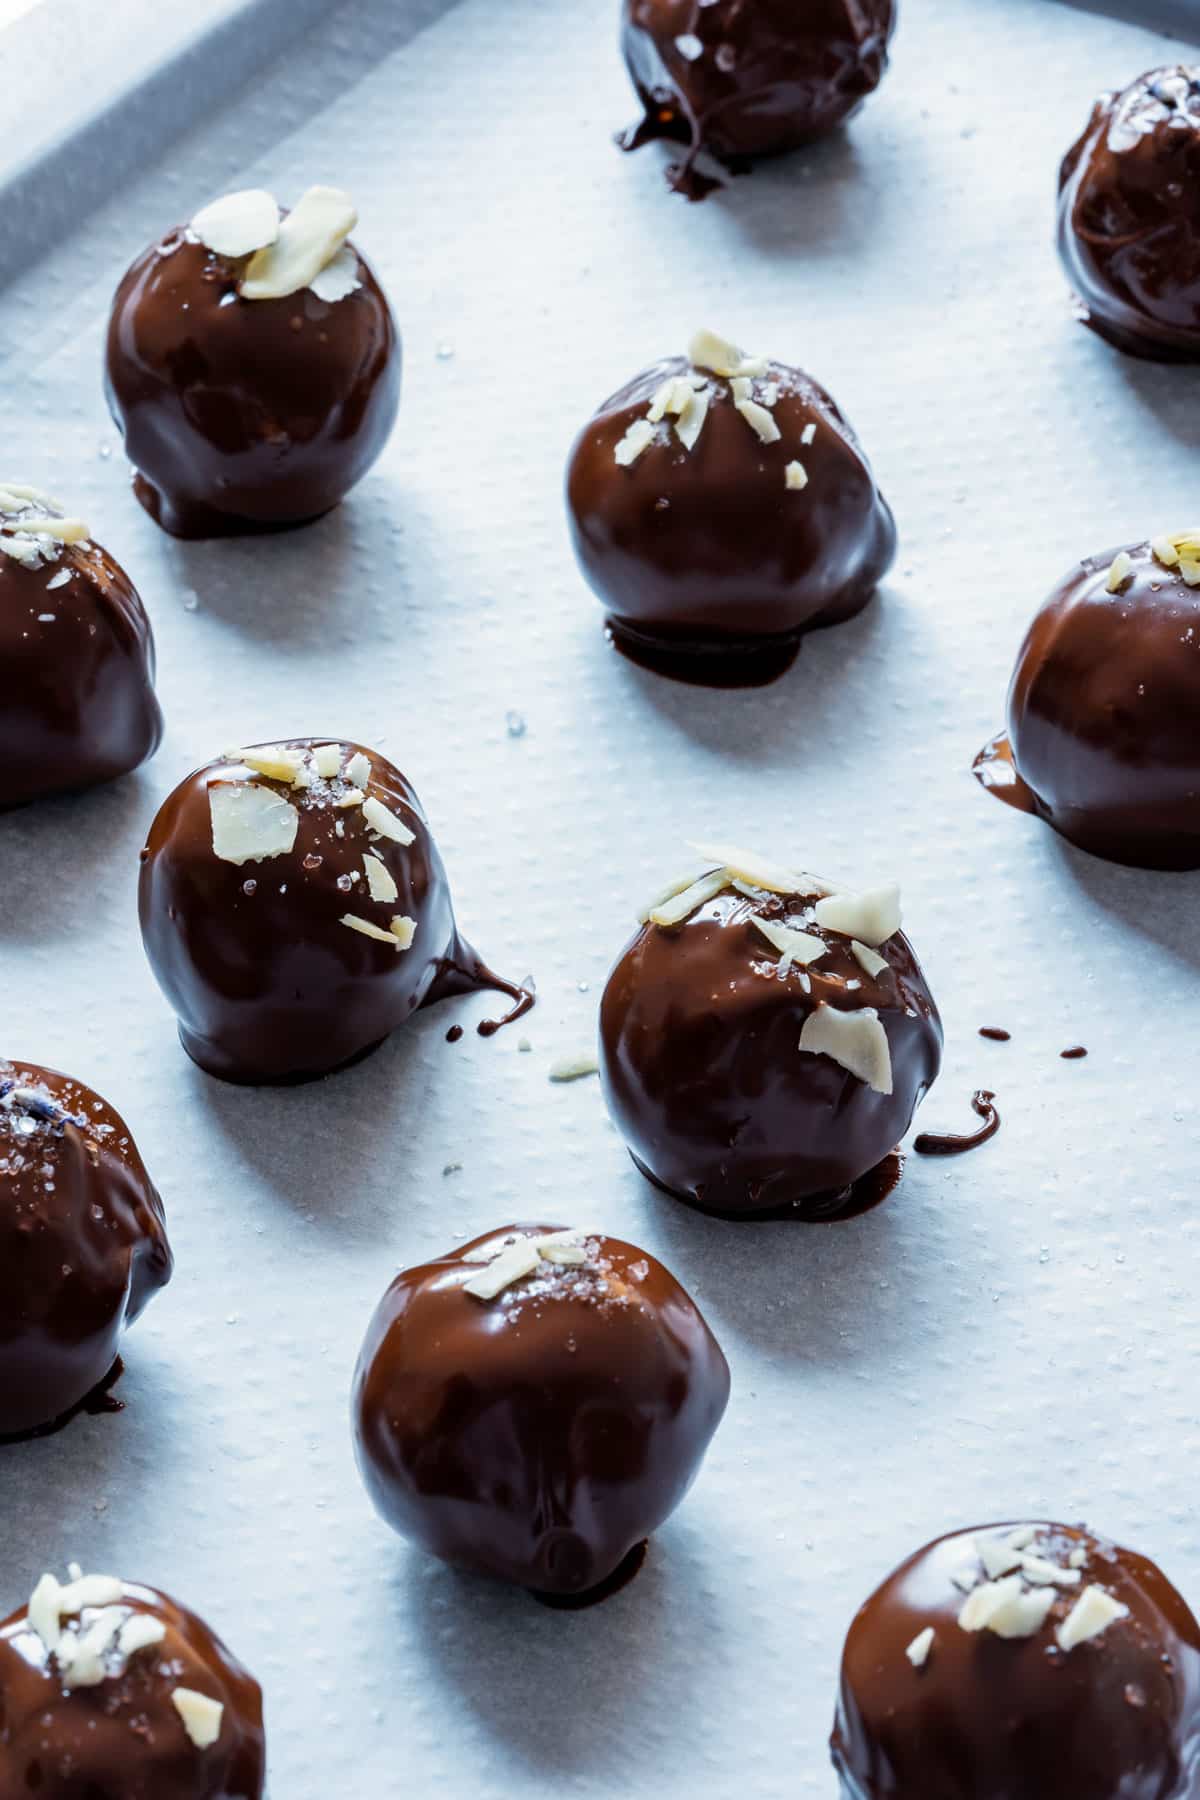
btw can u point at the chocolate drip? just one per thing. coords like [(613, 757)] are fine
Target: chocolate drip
[(996, 1033), (463, 971), (1074, 1053), (934, 1143)]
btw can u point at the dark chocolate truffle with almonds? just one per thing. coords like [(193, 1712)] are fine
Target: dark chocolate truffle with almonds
[(109, 1691), (83, 1245), (1102, 740), (534, 1405), (764, 1042), (720, 507), (295, 910), (746, 78), (1129, 216), (1021, 1662), (77, 703), (253, 365)]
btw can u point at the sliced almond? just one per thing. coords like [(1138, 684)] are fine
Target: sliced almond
[(358, 771), (690, 422), (379, 878), (856, 1041), (872, 917), (327, 761), (809, 433), (757, 869), (404, 930), (1093, 1613), (278, 762), (683, 904), (514, 1263), (250, 823), (760, 421), (309, 238), (338, 279), (797, 946), (795, 477), (668, 893), (574, 1068), (238, 224), (367, 929), (867, 960), (1120, 569), (918, 1651), (386, 824), (639, 437), (61, 531), (201, 1715), (708, 351)]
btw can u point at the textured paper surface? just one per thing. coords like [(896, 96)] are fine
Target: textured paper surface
[(1014, 1332)]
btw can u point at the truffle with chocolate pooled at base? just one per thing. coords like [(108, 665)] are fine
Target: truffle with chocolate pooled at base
[(77, 704), (534, 1405), (111, 1691), (720, 506), (295, 911), (765, 1039), (1102, 707), (83, 1245), (253, 365), (740, 79), (1129, 216), (1021, 1662)]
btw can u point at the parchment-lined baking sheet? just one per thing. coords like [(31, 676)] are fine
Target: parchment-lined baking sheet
[(1013, 1333)]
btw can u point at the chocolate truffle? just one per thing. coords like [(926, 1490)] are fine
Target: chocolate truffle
[(764, 1041), (1030, 1662), (253, 366), (1129, 217), (110, 1691), (83, 1245), (535, 1404), (77, 703), (1102, 708), (720, 506), (747, 78), (295, 911)]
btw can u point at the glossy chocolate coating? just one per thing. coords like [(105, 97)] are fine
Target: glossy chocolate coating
[(708, 551), (1102, 714), (1129, 216), (747, 78), (245, 415), (124, 1739), (77, 702), (83, 1245), (542, 1435), (702, 1071), (267, 983), (992, 1718)]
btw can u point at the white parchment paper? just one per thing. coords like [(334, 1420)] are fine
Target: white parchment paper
[(1015, 1332)]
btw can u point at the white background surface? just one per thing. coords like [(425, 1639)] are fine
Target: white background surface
[(1014, 1332)]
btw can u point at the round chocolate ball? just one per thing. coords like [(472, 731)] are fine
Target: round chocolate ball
[(77, 704), (747, 78), (110, 1691), (1102, 708), (295, 910), (1129, 216), (720, 515), (533, 1405), (1021, 1663), (763, 1042), (245, 408), (83, 1244)]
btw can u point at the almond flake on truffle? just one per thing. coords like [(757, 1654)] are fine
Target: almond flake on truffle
[(358, 770), (795, 476), (18, 496), (1006, 1608), (639, 437), (59, 531), (757, 869), (668, 893), (809, 433), (25, 550), (797, 946), (404, 930), (278, 762), (250, 823), (201, 1715), (872, 917), (686, 901), (385, 824), (998, 1558), (867, 959), (717, 354), (673, 396), (1078, 1557), (351, 796), (1176, 547), (742, 388), (309, 239), (50, 1602), (759, 421), (918, 1651), (238, 224), (1119, 571), (519, 1257), (379, 878), (338, 279), (1039, 1571), (574, 1068), (327, 761), (1093, 1613), (369, 930), (690, 422), (856, 1041)]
